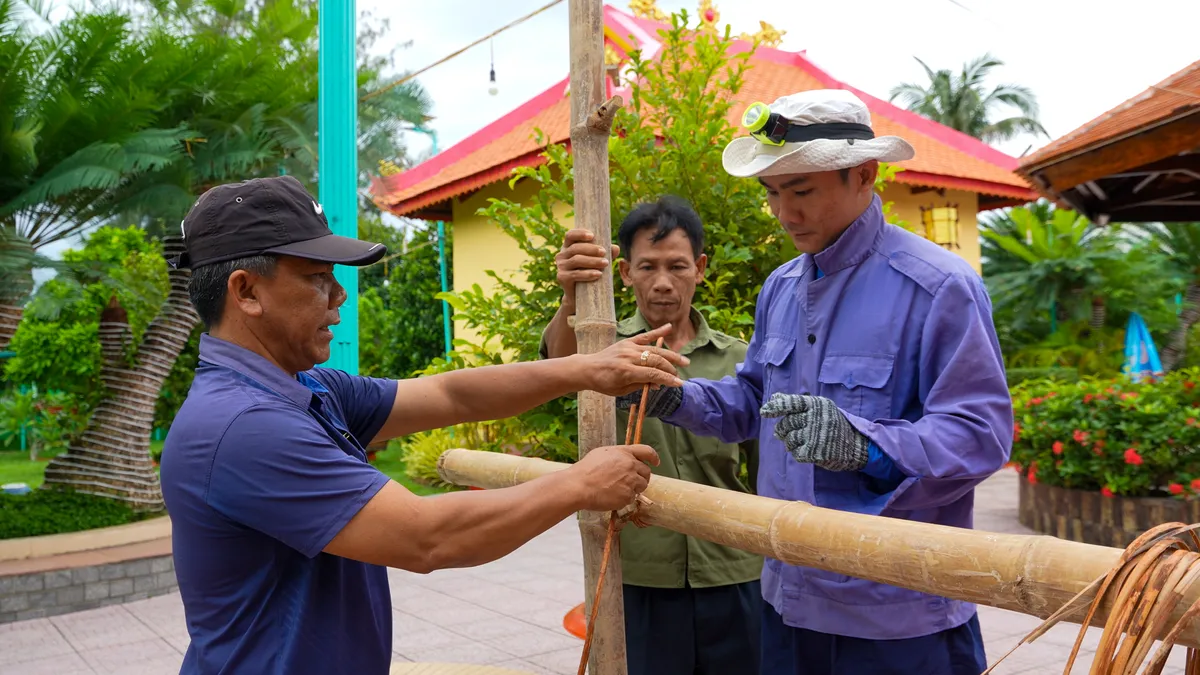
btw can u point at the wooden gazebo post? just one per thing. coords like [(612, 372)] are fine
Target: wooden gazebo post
[(595, 319)]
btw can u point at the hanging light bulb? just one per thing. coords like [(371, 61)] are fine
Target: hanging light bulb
[(492, 88)]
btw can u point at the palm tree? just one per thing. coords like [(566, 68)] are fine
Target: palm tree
[(111, 458), (74, 102), (1180, 244), (1039, 259), (962, 101)]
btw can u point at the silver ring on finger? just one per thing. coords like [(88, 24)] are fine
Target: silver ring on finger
[(645, 356)]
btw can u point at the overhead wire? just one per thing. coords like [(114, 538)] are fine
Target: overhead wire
[(396, 83)]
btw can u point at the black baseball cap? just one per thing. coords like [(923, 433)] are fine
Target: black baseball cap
[(266, 215)]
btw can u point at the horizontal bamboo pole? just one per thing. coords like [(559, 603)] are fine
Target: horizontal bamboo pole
[(1031, 574)]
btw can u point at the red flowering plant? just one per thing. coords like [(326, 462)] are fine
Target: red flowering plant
[(1115, 436)]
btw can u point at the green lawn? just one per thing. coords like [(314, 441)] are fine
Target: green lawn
[(15, 467)]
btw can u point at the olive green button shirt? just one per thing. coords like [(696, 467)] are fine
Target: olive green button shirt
[(660, 558)]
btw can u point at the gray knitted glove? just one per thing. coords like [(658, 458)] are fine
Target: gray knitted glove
[(816, 432), (662, 401)]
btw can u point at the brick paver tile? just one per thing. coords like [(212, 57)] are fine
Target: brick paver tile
[(36, 639), (163, 615), (465, 651), (103, 627), (534, 641), (532, 668), (405, 642), (449, 618), (63, 664), (492, 629), (562, 662), (148, 657)]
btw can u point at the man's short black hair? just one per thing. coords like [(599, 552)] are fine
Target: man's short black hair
[(209, 284), (667, 214)]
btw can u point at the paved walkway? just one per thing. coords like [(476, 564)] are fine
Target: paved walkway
[(508, 613)]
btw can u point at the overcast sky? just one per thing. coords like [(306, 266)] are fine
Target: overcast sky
[(1080, 57)]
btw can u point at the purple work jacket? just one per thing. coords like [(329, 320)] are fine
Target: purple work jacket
[(898, 332)]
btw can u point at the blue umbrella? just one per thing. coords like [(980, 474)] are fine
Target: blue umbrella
[(1141, 358)]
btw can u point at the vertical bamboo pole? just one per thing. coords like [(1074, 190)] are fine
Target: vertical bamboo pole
[(595, 320)]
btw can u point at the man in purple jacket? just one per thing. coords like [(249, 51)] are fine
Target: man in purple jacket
[(874, 384)]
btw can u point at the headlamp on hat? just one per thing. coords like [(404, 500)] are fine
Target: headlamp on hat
[(768, 127), (771, 128)]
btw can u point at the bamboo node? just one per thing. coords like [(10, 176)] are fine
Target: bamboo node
[(596, 321)]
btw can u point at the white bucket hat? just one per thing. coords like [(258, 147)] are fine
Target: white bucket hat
[(820, 130)]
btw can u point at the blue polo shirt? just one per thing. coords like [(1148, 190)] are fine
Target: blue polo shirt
[(259, 472)]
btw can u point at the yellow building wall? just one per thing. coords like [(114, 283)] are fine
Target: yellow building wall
[(480, 245), (907, 206)]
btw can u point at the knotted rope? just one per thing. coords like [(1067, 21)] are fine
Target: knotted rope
[(1144, 587), (617, 520)]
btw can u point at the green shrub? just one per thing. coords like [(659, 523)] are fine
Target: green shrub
[(421, 452), (47, 511), (1020, 375), (1111, 435), (51, 420)]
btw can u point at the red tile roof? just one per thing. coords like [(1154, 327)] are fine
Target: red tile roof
[(1174, 97), (944, 157)]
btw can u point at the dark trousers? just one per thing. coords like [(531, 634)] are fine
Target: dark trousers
[(693, 631), (795, 651)]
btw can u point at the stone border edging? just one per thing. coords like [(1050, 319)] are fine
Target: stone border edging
[(39, 587), (24, 548)]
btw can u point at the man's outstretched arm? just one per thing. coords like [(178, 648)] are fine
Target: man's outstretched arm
[(496, 392), (464, 529)]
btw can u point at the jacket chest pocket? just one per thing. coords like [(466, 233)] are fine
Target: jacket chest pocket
[(775, 358), (860, 384)]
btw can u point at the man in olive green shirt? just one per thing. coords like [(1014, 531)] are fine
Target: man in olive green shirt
[(691, 606)]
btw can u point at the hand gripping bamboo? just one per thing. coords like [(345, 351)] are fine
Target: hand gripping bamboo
[(616, 520)]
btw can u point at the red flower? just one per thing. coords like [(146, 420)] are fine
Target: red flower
[(1175, 488), (1196, 485), (1189, 385), (1057, 448), (1016, 432), (1110, 390), (1106, 491), (1081, 437), (1052, 394), (1128, 395), (1191, 421), (1036, 401), (1132, 457), (709, 15), (1087, 398)]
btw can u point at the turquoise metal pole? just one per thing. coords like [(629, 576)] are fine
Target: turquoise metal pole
[(337, 146), (441, 235)]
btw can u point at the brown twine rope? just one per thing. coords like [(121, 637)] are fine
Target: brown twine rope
[(616, 521), (1144, 587)]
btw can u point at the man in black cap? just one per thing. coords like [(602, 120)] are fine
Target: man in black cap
[(282, 532)]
